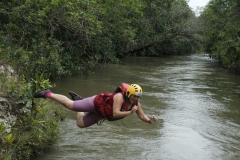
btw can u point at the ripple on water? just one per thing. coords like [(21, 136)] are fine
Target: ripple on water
[(198, 102)]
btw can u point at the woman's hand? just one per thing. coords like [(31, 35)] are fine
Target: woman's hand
[(152, 120), (134, 109)]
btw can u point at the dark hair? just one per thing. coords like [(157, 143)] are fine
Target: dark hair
[(126, 99)]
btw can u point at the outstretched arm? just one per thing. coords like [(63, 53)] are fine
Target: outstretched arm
[(143, 117)]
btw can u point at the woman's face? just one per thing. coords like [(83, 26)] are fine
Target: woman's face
[(133, 98)]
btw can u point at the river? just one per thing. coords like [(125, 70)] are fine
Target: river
[(195, 100)]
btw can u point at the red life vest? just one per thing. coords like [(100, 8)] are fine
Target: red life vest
[(104, 103)]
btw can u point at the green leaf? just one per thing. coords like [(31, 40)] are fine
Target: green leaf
[(10, 139)]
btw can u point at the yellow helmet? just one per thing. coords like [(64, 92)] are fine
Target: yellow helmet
[(134, 89)]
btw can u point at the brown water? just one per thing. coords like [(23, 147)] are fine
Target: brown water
[(196, 101)]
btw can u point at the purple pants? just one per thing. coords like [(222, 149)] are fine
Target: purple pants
[(87, 105)]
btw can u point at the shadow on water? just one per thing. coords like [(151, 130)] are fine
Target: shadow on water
[(196, 100)]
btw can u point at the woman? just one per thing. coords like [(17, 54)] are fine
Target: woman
[(110, 106)]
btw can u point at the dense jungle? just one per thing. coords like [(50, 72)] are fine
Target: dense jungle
[(45, 40)]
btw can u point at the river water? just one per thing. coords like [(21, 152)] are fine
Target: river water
[(196, 101)]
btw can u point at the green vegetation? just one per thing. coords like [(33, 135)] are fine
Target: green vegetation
[(222, 32), (30, 136), (36, 125), (62, 37)]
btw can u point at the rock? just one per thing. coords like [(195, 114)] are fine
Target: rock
[(5, 114), (5, 68)]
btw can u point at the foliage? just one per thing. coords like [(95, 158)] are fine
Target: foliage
[(22, 91), (36, 127), (29, 89), (30, 135), (222, 32), (8, 86), (62, 37)]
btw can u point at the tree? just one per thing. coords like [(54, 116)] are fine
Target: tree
[(168, 28), (222, 32), (62, 37)]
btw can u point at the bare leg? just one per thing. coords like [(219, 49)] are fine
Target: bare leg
[(86, 113), (80, 122), (86, 105), (63, 100), (69, 104)]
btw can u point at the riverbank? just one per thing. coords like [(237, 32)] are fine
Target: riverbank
[(28, 127)]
